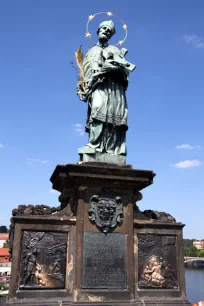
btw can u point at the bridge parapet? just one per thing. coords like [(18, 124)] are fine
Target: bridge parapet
[(187, 259)]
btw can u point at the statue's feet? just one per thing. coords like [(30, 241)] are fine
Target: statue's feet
[(88, 154), (86, 150)]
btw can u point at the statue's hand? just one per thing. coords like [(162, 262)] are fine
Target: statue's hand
[(82, 96), (109, 67), (80, 92), (95, 78)]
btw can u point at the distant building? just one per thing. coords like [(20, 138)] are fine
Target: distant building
[(5, 264), (198, 244), (3, 238)]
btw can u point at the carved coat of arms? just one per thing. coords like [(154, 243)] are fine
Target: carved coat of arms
[(106, 212)]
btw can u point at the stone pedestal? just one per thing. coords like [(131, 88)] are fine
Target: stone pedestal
[(97, 247)]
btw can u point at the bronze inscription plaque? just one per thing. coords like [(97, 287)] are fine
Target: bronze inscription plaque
[(104, 260)]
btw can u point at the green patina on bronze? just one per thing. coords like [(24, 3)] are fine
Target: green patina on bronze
[(106, 80)]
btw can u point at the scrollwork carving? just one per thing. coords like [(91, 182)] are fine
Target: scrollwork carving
[(66, 198)]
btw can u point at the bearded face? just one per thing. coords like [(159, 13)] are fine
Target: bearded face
[(104, 33), (106, 210)]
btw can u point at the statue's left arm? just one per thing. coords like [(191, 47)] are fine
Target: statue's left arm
[(116, 64)]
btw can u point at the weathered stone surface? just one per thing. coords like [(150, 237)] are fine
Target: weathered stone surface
[(100, 174)]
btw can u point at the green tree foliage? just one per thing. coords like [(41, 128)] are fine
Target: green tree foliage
[(186, 252), (6, 244), (201, 253), (188, 243), (191, 252)]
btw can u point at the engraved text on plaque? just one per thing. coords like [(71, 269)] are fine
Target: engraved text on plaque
[(104, 260)]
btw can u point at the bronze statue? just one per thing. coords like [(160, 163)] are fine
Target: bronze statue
[(103, 85)]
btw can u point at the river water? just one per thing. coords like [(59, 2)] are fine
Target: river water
[(195, 285)]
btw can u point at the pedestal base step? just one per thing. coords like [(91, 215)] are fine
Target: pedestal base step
[(54, 302)]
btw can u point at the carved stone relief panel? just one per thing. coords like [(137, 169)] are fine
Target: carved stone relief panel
[(157, 262), (43, 260)]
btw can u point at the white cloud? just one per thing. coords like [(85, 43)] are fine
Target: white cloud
[(79, 128), (31, 161), (188, 164), (1, 146), (34, 160), (196, 41), (53, 191), (187, 147)]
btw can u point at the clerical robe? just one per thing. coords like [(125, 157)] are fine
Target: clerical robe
[(107, 106)]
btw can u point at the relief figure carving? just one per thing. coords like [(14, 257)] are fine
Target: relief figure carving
[(30, 267), (54, 270), (41, 278), (157, 263), (43, 260), (153, 273)]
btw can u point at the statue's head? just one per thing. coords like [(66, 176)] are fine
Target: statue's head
[(106, 30)]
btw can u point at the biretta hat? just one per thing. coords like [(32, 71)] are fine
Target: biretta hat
[(108, 23)]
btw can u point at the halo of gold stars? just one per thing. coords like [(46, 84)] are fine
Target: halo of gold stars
[(110, 14)]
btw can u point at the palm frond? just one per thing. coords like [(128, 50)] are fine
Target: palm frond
[(79, 59), (79, 56)]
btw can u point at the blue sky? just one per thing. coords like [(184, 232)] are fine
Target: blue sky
[(42, 119)]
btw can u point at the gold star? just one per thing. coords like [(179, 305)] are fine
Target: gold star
[(91, 17), (121, 42), (110, 14), (88, 35), (125, 27)]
